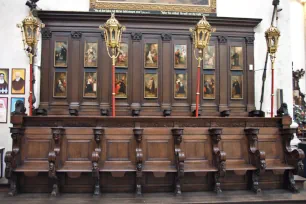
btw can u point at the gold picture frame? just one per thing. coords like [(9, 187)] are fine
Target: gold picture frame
[(237, 86), (209, 86), (180, 56), (122, 60), (151, 85), (91, 54), (236, 58), (151, 55), (61, 54), (90, 84), (121, 85), (158, 7), (60, 84), (18, 81), (210, 57), (180, 85)]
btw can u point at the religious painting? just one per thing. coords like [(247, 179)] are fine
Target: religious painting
[(160, 7), (210, 57), (91, 54), (237, 86), (14, 101), (150, 85), (151, 55), (123, 57), (60, 84), (209, 86), (3, 109), (236, 58), (180, 85), (121, 85), (4, 81), (180, 56), (18, 81), (90, 84), (61, 54)]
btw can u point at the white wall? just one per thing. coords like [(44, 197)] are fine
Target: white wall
[(292, 45)]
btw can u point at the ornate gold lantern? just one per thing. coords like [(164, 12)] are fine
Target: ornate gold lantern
[(30, 29), (112, 34), (201, 37)]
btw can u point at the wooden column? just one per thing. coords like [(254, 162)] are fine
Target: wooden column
[(250, 73), (194, 66), (224, 73)]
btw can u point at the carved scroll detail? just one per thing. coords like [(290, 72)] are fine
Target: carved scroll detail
[(54, 158), (138, 132), (257, 157), (179, 159), (219, 157), (98, 134)]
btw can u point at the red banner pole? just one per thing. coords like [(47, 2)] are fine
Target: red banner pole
[(113, 92), (272, 90), (31, 86), (198, 91)]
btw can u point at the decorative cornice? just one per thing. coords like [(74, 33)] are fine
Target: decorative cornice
[(249, 40), (166, 36), (222, 39), (136, 36), (76, 34), (46, 34)]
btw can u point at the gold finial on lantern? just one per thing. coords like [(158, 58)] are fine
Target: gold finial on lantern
[(272, 36)]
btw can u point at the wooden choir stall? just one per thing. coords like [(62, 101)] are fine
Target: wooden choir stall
[(154, 144)]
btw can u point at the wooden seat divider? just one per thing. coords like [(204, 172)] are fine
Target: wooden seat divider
[(138, 132), (98, 133)]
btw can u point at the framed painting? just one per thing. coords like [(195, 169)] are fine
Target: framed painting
[(121, 85), (123, 57), (60, 54), (60, 84), (151, 55), (91, 54), (18, 81), (180, 85), (150, 85), (237, 86), (210, 57), (3, 109), (4, 81), (209, 86), (180, 56), (14, 100), (90, 84), (236, 58), (160, 7)]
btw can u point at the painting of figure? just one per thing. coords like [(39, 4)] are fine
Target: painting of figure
[(180, 86), (60, 85), (4, 79), (123, 57), (91, 54), (209, 57), (60, 53), (237, 87), (150, 85), (180, 56), (121, 85), (151, 55), (18, 81), (14, 101), (3, 109), (90, 84), (236, 58), (209, 86)]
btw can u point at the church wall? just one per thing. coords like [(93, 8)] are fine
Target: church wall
[(13, 56)]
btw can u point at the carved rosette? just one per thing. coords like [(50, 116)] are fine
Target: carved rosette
[(249, 40), (76, 35), (222, 39), (136, 36), (46, 34), (166, 36)]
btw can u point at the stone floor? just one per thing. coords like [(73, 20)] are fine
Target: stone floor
[(269, 196)]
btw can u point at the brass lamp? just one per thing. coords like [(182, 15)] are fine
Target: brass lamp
[(112, 34), (272, 36), (30, 29), (201, 37)]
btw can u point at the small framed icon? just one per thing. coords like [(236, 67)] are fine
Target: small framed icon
[(60, 84), (151, 55), (91, 54), (180, 85), (150, 85), (60, 54), (90, 84)]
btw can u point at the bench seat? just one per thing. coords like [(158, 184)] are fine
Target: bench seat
[(199, 167), (117, 167), (33, 167)]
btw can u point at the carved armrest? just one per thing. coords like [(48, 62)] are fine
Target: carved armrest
[(8, 159), (95, 164), (259, 160), (139, 160), (180, 159), (219, 157), (53, 164)]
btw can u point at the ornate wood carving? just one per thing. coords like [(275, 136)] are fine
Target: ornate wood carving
[(54, 158), (257, 157), (293, 157), (76, 34), (46, 34), (136, 36), (73, 112), (98, 134), (138, 132), (249, 40), (166, 36), (222, 39), (219, 157), (179, 158)]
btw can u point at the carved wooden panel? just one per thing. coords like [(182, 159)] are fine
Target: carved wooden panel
[(118, 150), (158, 150), (195, 149), (78, 150), (233, 149), (37, 149)]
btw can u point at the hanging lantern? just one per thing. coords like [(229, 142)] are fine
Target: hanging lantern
[(201, 34), (112, 32), (272, 36)]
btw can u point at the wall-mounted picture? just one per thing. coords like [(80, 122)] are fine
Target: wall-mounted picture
[(180, 86), (151, 55), (60, 54), (91, 54), (18, 81), (210, 57), (236, 58), (4, 80), (90, 84), (237, 87), (180, 56), (123, 57), (60, 85), (209, 86), (121, 85), (14, 101), (3, 109), (150, 85)]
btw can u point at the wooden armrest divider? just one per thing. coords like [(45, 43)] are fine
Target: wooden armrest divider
[(98, 133)]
